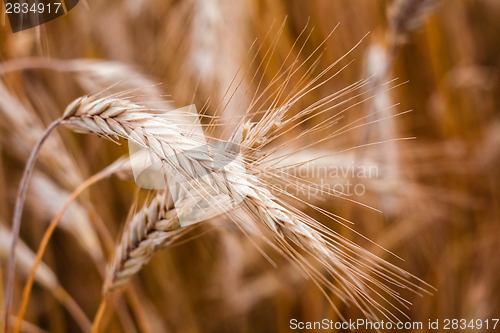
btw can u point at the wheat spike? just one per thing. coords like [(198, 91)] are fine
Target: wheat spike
[(407, 15), (148, 230)]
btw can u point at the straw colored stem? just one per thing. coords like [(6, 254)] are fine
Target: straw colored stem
[(16, 221), (43, 246)]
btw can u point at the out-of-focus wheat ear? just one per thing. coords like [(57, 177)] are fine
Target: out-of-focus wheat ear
[(117, 77), (44, 275), (46, 198), (217, 38), (150, 229), (98, 75), (407, 15), (25, 256), (24, 128), (381, 123)]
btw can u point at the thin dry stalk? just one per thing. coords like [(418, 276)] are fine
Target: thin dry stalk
[(16, 220)]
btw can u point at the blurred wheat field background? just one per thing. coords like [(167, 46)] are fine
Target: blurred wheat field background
[(435, 189)]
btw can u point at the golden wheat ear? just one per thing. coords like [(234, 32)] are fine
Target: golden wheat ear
[(153, 227)]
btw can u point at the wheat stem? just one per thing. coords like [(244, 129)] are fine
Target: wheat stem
[(44, 243), (16, 220), (101, 311)]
